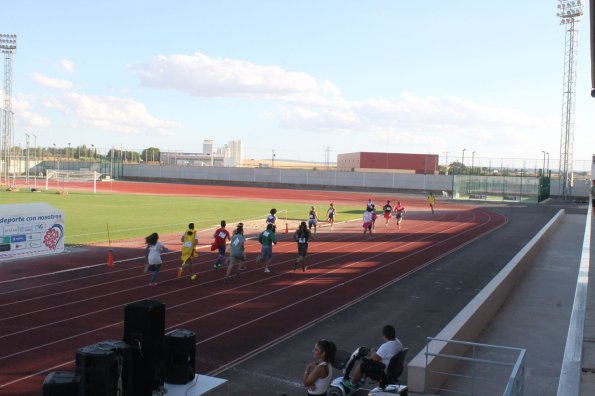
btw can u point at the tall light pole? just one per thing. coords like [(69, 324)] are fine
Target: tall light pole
[(569, 12), (472, 160), (27, 158), (56, 158), (35, 156), (8, 46), (543, 167), (6, 120), (273, 160), (463, 160)]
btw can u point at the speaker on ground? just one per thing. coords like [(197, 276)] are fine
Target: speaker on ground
[(61, 383), (123, 353), (99, 371), (144, 328), (180, 356)]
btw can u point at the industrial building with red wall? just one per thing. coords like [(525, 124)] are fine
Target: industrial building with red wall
[(426, 164)]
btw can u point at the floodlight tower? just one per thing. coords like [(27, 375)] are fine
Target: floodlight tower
[(569, 12), (8, 45)]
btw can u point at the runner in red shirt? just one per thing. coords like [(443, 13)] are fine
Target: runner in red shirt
[(388, 210), (399, 211), (221, 236)]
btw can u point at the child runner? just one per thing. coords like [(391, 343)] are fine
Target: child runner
[(301, 236), (367, 218), (267, 239), (189, 241), (312, 218), (236, 252), (399, 211), (272, 217), (374, 217), (221, 235), (330, 215), (431, 201), (154, 250), (388, 210)]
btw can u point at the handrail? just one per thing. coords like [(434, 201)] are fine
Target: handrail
[(515, 383)]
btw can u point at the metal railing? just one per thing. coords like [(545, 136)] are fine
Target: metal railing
[(470, 368)]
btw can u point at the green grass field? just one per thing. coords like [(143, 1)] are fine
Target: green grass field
[(88, 215)]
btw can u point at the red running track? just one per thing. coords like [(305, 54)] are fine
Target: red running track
[(52, 306)]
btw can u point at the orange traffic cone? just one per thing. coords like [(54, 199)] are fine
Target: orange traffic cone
[(110, 258), (286, 228)]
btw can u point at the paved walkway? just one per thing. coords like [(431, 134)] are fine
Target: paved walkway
[(537, 313)]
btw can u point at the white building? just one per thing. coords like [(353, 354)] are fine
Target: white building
[(236, 151), (207, 146), (230, 155)]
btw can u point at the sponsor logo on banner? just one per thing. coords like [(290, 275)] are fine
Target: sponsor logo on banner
[(18, 238), (11, 230), (25, 229)]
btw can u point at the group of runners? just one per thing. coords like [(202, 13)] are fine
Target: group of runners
[(313, 219), (370, 215), (267, 239), (388, 210)]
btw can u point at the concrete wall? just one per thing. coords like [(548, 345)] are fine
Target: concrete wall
[(298, 177), (312, 178), (471, 321)]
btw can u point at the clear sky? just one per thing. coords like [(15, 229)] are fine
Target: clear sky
[(296, 77)]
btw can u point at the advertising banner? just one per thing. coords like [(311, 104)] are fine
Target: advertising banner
[(28, 230)]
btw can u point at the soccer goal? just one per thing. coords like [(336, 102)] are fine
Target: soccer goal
[(72, 179)]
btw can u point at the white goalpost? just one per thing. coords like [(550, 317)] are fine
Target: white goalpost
[(76, 179)]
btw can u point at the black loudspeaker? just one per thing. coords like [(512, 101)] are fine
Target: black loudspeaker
[(123, 353), (144, 328), (99, 371), (180, 356), (61, 383)]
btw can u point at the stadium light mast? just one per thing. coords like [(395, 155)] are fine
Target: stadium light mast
[(569, 12), (8, 46)]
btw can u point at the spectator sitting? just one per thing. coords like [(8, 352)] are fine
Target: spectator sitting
[(377, 361)]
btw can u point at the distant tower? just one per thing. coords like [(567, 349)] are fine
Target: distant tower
[(569, 12), (207, 147), (236, 152), (8, 45)]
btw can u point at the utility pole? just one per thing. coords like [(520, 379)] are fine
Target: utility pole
[(463, 160), (446, 162), (327, 159)]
